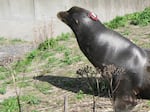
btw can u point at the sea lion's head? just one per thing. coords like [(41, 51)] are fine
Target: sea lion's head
[(77, 18)]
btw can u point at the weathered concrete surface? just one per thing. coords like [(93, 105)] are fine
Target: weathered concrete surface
[(12, 52), (36, 19)]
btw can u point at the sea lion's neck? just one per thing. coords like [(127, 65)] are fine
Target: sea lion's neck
[(89, 32)]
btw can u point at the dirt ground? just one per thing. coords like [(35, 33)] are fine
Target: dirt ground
[(66, 89)]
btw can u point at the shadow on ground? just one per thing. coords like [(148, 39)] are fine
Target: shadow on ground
[(75, 84), (67, 83)]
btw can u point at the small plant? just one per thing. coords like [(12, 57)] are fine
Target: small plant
[(14, 41), (53, 42), (49, 43), (45, 55), (99, 80), (76, 58), (63, 37), (80, 95), (43, 87), (117, 22), (138, 18), (3, 90), (60, 48), (34, 111), (2, 39), (30, 99), (21, 65), (148, 103), (23, 84), (52, 60), (126, 32), (3, 73), (32, 55), (9, 105), (142, 18), (69, 58)]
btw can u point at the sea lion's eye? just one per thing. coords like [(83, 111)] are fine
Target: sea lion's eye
[(76, 21)]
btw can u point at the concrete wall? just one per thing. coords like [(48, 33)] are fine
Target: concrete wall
[(36, 19)]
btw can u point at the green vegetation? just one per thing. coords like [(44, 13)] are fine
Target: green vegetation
[(4, 73), (80, 95), (126, 32), (43, 87), (53, 42), (117, 22), (56, 57), (34, 111), (30, 99), (142, 18), (11, 105), (138, 18), (69, 59), (49, 51), (2, 89), (23, 82), (148, 103), (4, 41)]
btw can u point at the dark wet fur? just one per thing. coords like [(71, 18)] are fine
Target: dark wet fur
[(103, 46)]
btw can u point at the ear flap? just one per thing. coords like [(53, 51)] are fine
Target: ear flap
[(93, 16)]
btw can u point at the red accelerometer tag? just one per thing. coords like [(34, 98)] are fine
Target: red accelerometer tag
[(93, 16)]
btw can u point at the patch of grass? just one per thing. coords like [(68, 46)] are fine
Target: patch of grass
[(45, 55), (141, 43), (80, 95), (17, 40), (69, 58), (60, 48), (2, 69), (21, 65), (117, 22), (148, 103), (34, 111), (144, 45), (126, 32), (2, 39), (32, 55), (52, 43), (30, 99), (139, 18), (49, 43), (63, 36), (2, 89), (43, 87), (3, 73), (142, 18), (11, 105), (52, 60), (47, 51), (7, 82), (23, 84)]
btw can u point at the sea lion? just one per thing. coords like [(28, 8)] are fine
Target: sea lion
[(103, 46)]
